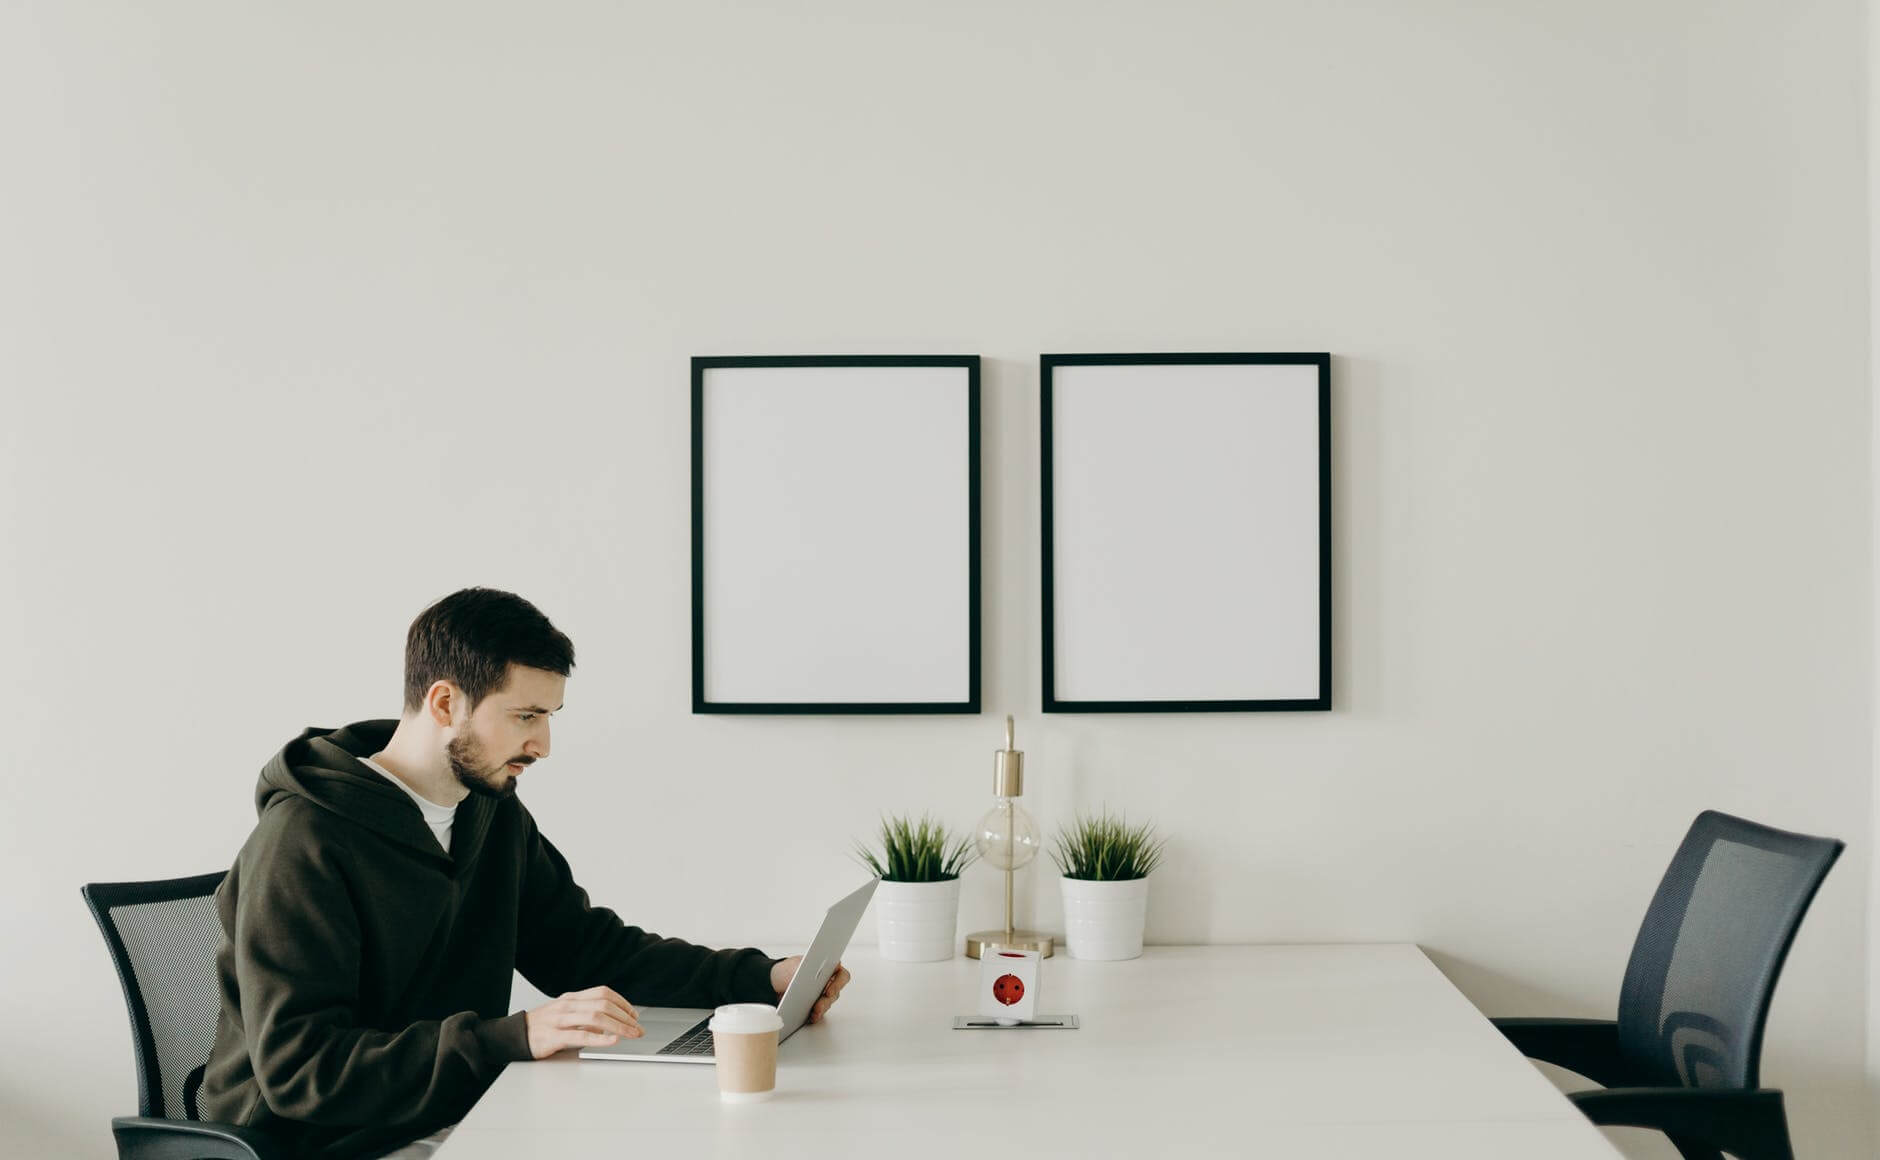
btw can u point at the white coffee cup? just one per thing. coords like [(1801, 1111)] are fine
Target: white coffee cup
[(744, 1045)]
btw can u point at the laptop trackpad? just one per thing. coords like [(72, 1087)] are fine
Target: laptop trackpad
[(671, 1020), (662, 1025)]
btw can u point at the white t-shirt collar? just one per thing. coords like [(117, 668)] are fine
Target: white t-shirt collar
[(437, 817)]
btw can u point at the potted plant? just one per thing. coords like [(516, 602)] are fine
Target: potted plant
[(917, 905), (1106, 865)]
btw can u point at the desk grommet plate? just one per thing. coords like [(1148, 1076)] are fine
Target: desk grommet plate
[(1041, 1023)]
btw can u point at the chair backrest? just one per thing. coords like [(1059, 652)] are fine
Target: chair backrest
[(1704, 967), (163, 938)]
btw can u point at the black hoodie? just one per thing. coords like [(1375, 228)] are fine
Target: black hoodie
[(365, 974)]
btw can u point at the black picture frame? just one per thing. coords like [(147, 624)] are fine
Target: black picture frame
[(969, 701), (1319, 699)]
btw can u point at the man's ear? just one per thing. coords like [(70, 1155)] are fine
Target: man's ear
[(440, 701)]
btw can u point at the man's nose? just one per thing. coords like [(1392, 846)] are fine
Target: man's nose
[(537, 747)]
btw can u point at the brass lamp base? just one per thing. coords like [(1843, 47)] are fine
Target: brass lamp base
[(1018, 940)]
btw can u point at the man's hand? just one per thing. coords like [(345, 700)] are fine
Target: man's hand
[(595, 1017), (783, 972)]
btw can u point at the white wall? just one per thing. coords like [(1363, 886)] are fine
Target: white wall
[(310, 314), (1872, 11)]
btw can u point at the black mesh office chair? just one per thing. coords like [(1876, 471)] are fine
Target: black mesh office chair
[(1684, 1054), (163, 938)]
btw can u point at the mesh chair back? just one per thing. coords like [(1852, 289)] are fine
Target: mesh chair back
[(163, 938), (1702, 972)]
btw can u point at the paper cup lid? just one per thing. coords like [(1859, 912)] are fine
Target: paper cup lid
[(746, 1019)]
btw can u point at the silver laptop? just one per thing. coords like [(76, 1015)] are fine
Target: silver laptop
[(683, 1034)]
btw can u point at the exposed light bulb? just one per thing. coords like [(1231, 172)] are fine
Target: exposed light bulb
[(1007, 838)]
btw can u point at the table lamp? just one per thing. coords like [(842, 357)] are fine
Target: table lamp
[(1007, 838)]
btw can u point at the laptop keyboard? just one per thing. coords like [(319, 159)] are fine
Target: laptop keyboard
[(697, 1041)]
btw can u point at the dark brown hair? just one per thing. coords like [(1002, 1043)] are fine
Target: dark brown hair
[(471, 637)]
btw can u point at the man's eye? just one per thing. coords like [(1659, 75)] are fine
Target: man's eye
[(528, 716)]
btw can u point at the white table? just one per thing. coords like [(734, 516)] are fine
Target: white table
[(1278, 1051)]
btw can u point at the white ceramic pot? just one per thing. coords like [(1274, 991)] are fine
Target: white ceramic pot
[(1104, 920), (917, 922)]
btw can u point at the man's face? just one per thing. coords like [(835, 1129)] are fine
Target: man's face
[(506, 732)]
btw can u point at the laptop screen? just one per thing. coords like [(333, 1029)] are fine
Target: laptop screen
[(820, 960)]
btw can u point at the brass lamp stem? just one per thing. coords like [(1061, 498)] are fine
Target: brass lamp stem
[(1008, 887)]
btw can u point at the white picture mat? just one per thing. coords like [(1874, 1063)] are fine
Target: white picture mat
[(1185, 529), (836, 534)]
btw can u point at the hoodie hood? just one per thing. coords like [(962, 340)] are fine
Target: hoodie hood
[(323, 766)]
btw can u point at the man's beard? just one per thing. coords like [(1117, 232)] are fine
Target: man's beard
[(466, 760)]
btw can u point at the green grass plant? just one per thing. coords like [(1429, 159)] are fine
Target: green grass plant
[(1104, 848), (913, 851)]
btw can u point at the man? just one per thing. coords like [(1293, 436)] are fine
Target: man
[(394, 882)]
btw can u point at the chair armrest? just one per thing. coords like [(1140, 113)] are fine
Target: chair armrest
[(1588, 1047), (148, 1138), (1743, 1122)]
